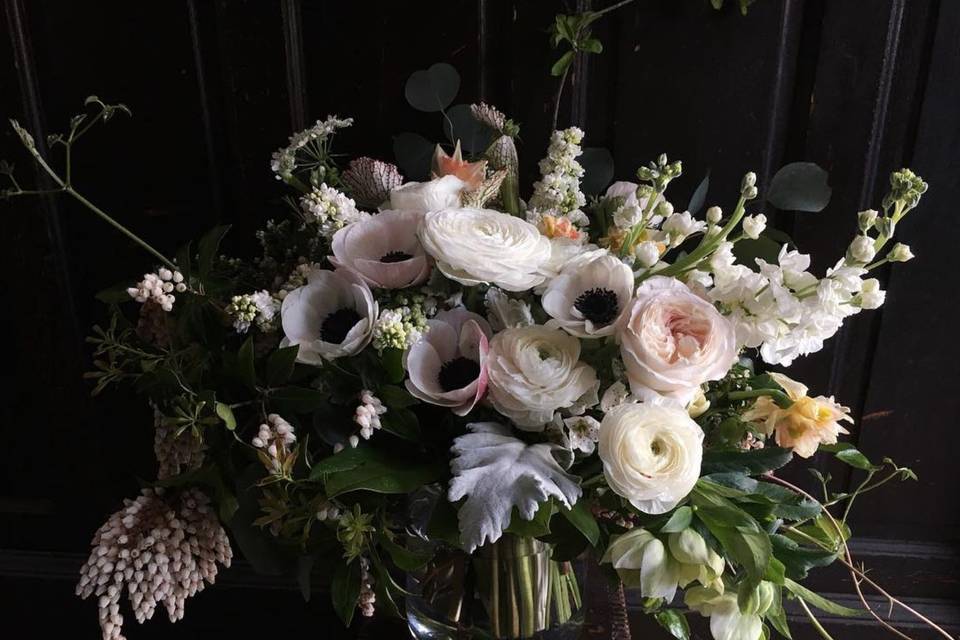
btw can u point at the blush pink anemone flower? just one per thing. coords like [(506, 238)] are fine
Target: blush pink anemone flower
[(383, 250), (448, 366)]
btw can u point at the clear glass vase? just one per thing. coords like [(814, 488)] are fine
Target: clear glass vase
[(507, 590)]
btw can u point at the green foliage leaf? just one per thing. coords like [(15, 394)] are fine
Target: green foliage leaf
[(207, 250), (402, 423), (432, 89), (116, 294), (674, 623), (597, 165), (798, 560), (225, 413), (393, 365), (736, 530), (258, 547), (799, 186), (245, 370), (679, 520), (394, 396), (562, 64), (755, 461), (404, 558), (345, 589), (413, 153), (819, 601), (536, 527), (304, 575), (346, 460), (280, 365), (581, 518), (184, 260), (384, 473)]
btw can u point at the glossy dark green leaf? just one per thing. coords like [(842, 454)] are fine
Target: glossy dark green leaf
[(404, 558), (562, 64), (245, 364), (674, 623), (299, 399), (402, 423), (751, 462), (280, 365), (799, 186), (679, 520), (581, 518), (393, 364), (207, 250), (819, 601), (539, 525), (395, 396), (432, 89), (385, 473), (345, 589), (799, 559)]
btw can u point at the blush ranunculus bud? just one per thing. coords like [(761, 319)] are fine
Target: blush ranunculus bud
[(442, 193)]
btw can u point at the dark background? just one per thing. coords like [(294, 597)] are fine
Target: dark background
[(861, 87)]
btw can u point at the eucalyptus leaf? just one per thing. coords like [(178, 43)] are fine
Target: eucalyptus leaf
[(597, 165), (799, 186), (432, 89), (699, 197), (413, 153)]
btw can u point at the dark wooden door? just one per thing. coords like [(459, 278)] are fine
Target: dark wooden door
[(859, 86)]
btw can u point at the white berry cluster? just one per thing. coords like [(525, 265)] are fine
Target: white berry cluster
[(158, 288), (157, 549), (368, 596), (371, 181), (275, 440), (175, 454), (368, 413), (331, 208), (258, 308), (284, 161)]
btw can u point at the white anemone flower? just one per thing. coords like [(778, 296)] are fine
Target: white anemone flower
[(590, 295), (383, 250), (448, 366), (329, 317)]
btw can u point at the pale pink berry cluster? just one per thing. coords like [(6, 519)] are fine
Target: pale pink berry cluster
[(159, 287), (368, 413), (275, 440), (368, 596), (160, 548), (371, 181)]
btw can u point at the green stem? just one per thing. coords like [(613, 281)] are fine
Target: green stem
[(813, 620)]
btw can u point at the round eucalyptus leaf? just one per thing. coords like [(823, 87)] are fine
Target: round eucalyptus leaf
[(748, 250), (460, 125), (597, 164), (800, 186), (432, 89), (413, 153), (699, 197)]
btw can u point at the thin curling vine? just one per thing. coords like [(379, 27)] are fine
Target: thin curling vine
[(79, 125)]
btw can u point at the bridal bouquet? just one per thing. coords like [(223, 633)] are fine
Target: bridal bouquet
[(414, 371)]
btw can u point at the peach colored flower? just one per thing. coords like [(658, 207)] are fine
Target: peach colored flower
[(472, 173), (558, 227), (808, 423)]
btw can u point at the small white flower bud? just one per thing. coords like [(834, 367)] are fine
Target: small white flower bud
[(900, 253), (354, 441), (664, 209), (647, 253), (165, 274), (753, 226), (861, 250), (867, 219), (714, 214)]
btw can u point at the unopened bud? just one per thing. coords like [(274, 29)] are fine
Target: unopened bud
[(749, 180), (867, 219), (753, 226), (861, 250), (900, 253), (647, 253), (714, 215), (664, 208)]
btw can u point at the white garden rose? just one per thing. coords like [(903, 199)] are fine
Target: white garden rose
[(482, 246), (442, 193), (590, 295), (651, 454), (535, 371), (329, 317), (673, 341), (383, 250)]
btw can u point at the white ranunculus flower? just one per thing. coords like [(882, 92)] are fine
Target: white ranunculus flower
[(672, 341), (448, 367), (482, 246), (651, 454), (535, 371), (329, 317), (383, 250), (442, 193), (590, 295)]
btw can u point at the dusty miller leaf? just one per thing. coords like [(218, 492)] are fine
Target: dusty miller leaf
[(498, 472)]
